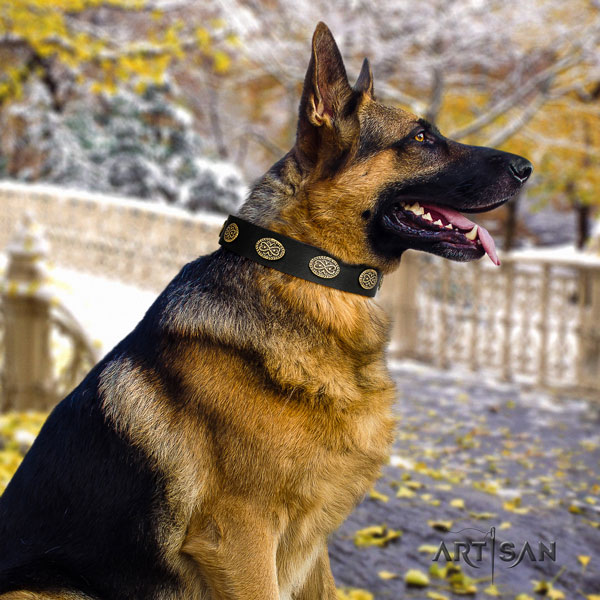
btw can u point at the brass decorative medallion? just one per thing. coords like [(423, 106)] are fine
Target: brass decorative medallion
[(368, 279), (324, 267), (231, 232), (269, 249)]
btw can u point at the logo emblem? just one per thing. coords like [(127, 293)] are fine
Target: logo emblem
[(368, 279), (231, 232), (324, 267), (269, 249)]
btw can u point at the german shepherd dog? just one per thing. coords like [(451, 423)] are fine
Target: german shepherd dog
[(212, 452)]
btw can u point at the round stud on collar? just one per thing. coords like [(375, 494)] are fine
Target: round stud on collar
[(324, 267), (231, 232), (269, 249), (368, 279)]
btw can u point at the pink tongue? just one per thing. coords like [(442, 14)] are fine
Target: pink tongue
[(487, 241), (462, 222)]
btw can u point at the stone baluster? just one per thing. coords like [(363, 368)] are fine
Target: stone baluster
[(27, 374)]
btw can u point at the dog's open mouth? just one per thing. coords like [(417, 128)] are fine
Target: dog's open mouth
[(444, 226)]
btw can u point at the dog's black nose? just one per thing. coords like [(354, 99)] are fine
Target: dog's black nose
[(520, 168)]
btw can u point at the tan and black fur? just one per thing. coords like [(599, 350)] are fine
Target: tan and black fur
[(214, 450)]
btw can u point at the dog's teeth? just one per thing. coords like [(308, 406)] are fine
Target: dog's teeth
[(418, 209), (438, 222), (472, 234), (427, 217), (449, 226)]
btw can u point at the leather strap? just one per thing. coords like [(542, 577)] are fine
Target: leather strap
[(290, 256)]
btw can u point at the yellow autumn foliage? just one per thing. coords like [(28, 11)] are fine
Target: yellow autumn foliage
[(59, 30), (17, 432)]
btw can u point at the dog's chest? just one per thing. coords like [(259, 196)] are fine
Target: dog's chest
[(328, 462), (322, 491)]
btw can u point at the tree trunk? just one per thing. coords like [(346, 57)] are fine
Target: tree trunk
[(583, 225), (510, 225), (582, 216)]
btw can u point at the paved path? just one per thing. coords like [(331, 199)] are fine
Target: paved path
[(481, 455), (468, 454)]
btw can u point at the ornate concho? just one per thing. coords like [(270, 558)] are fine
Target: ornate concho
[(368, 279), (231, 232), (324, 267), (269, 249)]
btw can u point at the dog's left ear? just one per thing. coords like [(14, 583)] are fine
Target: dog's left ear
[(364, 83), (326, 97)]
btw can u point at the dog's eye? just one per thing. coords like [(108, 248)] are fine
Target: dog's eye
[(420, 137)]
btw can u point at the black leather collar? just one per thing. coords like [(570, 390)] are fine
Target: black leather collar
[(296, 258)]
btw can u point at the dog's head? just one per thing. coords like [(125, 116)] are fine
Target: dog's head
[(379, 180)]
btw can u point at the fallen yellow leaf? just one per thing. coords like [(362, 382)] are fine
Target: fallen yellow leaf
[(375, 495), (354, 594), (555, 594), (515, 506), (441, 525), (414, 485), (376, 535), (482, 516), (416, 578), (438, 572), (436, 596), (404, 492), (465, 590), (387, 575), (584, 560)]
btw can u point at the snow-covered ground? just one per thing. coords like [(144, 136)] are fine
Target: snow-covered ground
[(106, 309)]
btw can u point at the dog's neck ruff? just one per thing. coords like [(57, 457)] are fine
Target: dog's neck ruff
[(290, 256)]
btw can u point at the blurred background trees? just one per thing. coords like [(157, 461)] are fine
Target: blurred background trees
[(125, 96)]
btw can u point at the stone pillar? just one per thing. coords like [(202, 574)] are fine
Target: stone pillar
[(27, 374), (589, 332), (399, 297)]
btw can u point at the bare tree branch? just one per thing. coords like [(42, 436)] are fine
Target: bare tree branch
[(258, 137), (539, 81), (437, 95), (519, 122)]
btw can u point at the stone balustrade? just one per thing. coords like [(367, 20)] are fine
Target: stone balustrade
[(535, 319)]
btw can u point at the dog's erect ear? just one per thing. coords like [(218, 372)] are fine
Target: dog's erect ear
[(326, 87), (325, 95), (364, 83)]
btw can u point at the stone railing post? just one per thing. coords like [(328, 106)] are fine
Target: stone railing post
[(508, 266), (401, 296), (27, 375), (544, 326), (589, 332)]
